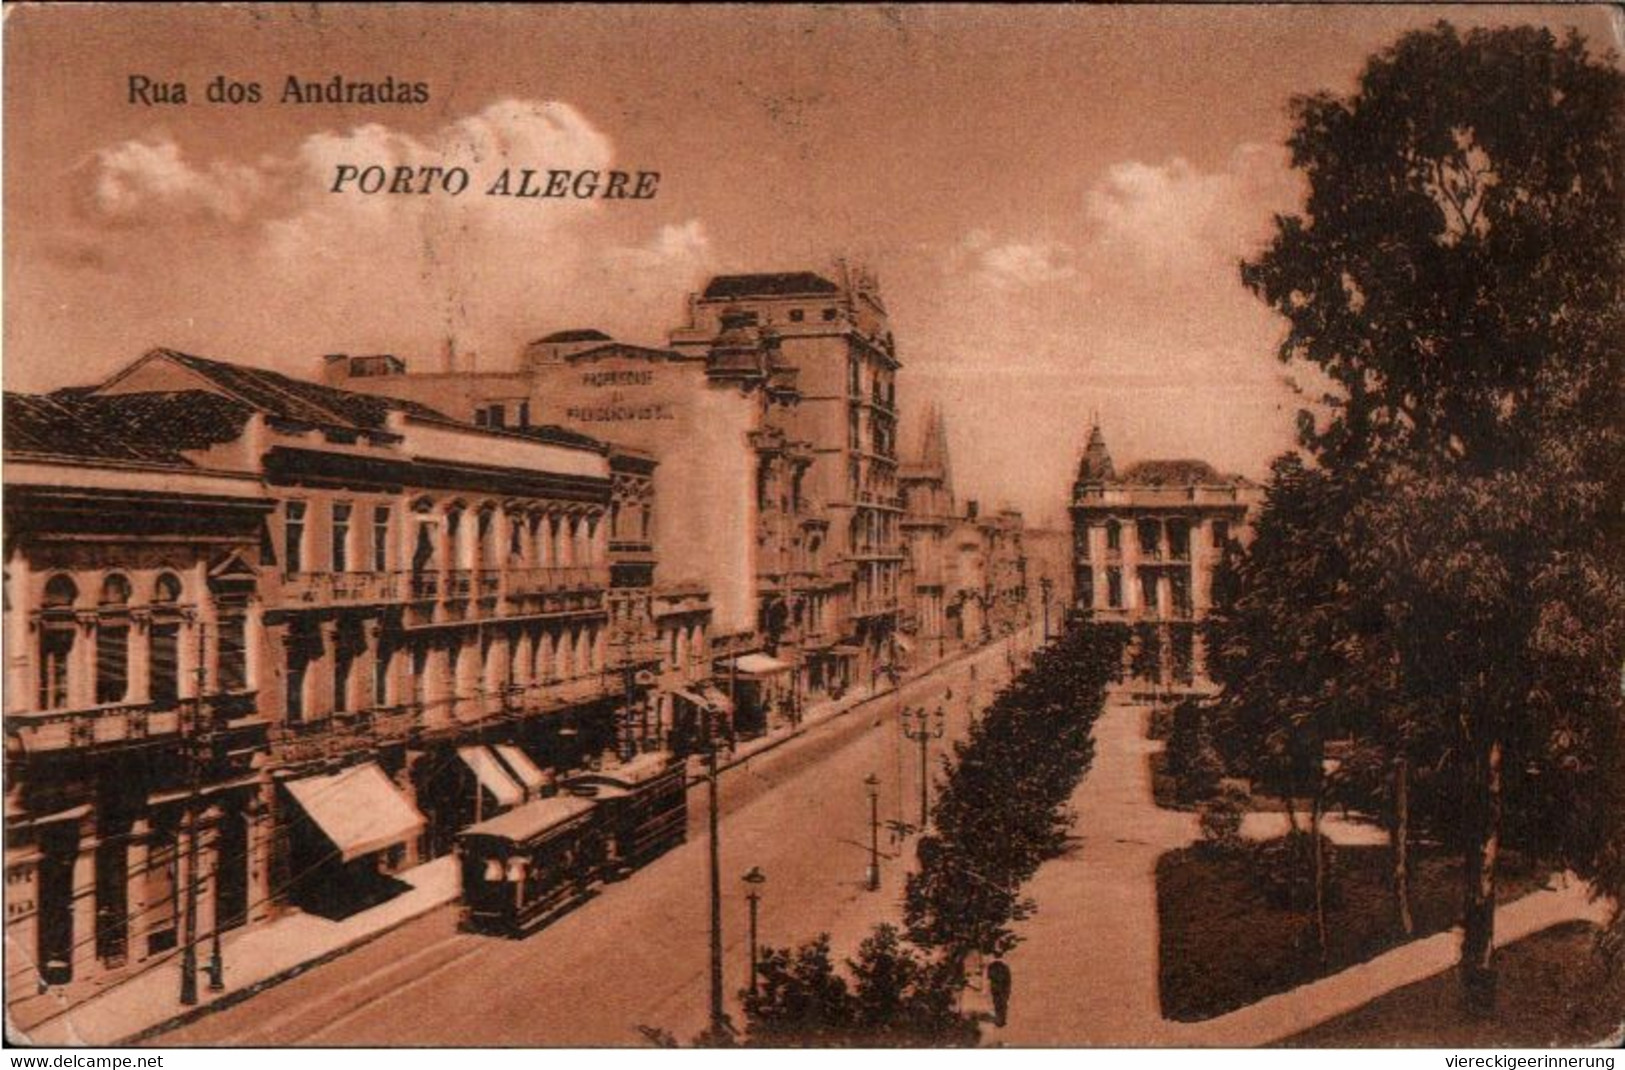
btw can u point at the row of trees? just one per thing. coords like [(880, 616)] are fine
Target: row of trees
[(1000, 812), (1439, 574)]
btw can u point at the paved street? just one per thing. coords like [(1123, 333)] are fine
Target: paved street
[(636, 954)]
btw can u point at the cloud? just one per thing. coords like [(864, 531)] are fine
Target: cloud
[(1173, 216), (1010, 266), (263, 262)]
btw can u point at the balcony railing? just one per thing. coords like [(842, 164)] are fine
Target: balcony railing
[(522, 581), (344, 734), (110, 725), (326, 588)]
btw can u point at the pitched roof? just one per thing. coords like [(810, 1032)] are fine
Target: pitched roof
[(142, 428), (780, 284), (297, 400), (558, 436), (579, 335)]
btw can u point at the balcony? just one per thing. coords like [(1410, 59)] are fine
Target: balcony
[(343, 734), (523, 581), (328, 588), (52, 731)]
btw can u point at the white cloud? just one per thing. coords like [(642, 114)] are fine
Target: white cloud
[(1010, 266), (1173, 216), (263, 253)]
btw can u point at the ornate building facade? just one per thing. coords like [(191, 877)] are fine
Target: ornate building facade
[(1145, 543), (314, 633)]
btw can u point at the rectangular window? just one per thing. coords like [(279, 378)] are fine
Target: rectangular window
[(797, 315), (163, 671), (1221, 534), (1080, 542), (830, 314), (1179, 539), (380, 538), (1114, 536), (1114, 588), (343, 661), (1148, 590), (293, 537), (232, 658), (56, 650), (1150, 533), (112, 664), (1180, 587), (499, 416), (380, 677), (1085, 585), (524, 414), (296, 686), (341, 536)]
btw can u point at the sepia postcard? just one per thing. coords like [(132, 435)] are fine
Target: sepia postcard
[(814, 526)]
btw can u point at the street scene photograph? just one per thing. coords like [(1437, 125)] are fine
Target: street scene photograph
[(762, 527)]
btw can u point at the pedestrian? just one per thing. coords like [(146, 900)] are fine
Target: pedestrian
[(998, 981)]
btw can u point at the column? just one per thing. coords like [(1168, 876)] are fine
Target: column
[(254, 644), (258, 816), (84, 907), (208, 862), (135, 896), (138, 673), (22, 645)]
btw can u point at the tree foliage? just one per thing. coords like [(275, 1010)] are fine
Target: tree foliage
[(1447, 576)]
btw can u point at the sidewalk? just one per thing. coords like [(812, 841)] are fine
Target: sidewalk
[(264, 955), (256, 958), (1086, 972)]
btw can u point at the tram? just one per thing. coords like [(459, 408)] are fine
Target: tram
[(643, 810), (524, 868)]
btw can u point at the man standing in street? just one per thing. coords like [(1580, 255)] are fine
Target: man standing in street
[(998, 981)]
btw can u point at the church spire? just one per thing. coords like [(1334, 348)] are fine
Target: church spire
[(1096, 466)]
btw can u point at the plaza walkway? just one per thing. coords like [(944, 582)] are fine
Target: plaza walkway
[(1086, 971)]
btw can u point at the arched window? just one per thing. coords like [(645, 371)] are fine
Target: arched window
[(115, 590), (113, 642), (167, 590), (56, 637)]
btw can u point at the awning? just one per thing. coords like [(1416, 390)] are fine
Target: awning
[(358, 809), (519, 763), (492, 776), (533, 819), (759, 665), (718, 699)]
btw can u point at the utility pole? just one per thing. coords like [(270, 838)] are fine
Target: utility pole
[(718, 1018), (923, 735), (189, 920)]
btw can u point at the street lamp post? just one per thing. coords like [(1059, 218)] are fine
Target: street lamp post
[(923, 733), (753, 895), (872, 782)]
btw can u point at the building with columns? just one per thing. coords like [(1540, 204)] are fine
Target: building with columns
[(1146, 541), (319, 630)]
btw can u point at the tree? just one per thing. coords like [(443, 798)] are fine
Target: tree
[(896, 998), (1458, 276)]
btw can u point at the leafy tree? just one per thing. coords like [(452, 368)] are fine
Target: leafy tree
[(1458, 276), (895, 998)]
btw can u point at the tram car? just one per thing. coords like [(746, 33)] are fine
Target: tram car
[(523, 868), (642, 810)]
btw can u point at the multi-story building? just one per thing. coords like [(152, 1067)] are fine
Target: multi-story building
[(748, 532), (928, 515), (835, 336), (1145, 545), (324, 629)]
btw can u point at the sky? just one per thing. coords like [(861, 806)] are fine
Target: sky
[(1055, 200)]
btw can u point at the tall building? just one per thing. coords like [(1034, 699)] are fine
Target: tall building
[(929, 512), (835, 336), (317, 630), (1145, 543)]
